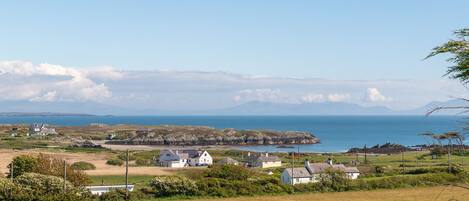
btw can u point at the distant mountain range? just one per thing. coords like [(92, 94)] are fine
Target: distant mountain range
[(27, 108)]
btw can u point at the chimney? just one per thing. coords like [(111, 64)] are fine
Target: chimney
[(266, 154), (249, 154)]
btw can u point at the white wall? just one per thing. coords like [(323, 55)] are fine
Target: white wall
[(271, 164)]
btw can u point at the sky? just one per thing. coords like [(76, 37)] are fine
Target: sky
[(215, 54)]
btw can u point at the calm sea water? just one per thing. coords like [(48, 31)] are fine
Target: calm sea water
[(337, 133)]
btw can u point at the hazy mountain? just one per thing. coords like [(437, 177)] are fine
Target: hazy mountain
[(28, 108), (432, 105), (324, 108)]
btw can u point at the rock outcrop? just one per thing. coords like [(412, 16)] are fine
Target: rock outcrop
[(199, 135)]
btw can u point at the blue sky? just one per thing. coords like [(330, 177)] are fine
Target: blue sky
[(212, 54), (322, 39)]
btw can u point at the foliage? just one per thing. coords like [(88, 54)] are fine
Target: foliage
[(143, 162), (119, 195), (82, 165), (23, 164), (459, 50), (115, 161), (173, 185), (234, 172), (47, 165), (42, 184)]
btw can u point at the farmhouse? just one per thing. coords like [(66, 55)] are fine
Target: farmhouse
[(311, 172), (41, 130), (264, 161), (184, 158)]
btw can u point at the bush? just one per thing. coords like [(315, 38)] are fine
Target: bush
[(47, 165), (23, 164), (42, 184), (173, 185), (143, 162), (119, 195), (81, 165), (115, 161), (233, 172)]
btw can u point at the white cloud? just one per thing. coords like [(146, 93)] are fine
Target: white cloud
[(338, 97), (374, 95), (47, 82), (312, 98), (198, 90)]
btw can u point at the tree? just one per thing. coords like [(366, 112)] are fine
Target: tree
[(459, 50)]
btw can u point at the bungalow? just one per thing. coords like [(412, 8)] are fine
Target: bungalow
[(264, 161), (41, 130), (184, 158), (311, 172)]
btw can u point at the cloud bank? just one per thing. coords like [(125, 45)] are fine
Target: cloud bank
[(194, 90)]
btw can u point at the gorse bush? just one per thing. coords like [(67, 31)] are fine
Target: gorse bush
[(81, 165), (228, 172), (115, 161), (43, 184), (173, 185), (23, 164)]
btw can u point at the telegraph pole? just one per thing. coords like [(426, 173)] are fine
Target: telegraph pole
[(65, 176), (366, 161), (292, 165), (127, 175), (12, 169)]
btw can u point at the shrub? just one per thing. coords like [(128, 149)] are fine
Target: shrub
[(42, 184), (115, 161), (81, 165), (119, 195), (7, 189), (142, 162), (23, 164), (173, 185), (233, 172), (47, 165)]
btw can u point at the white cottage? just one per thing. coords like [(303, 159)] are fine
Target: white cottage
[(184, 158), (41, 130), (264, 161), (311, 172)]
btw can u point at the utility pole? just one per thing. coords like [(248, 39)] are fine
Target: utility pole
[(292, 165), (402, 161), (127, 175), (449, 156), (364, 149), (12, 169), (65, 176)]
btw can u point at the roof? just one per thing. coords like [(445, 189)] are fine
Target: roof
[(319, 167), (268, 158), (228, 160), (298, 172), (192, 153)]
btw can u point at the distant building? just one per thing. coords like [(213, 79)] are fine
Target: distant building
[(41, 130), (228, 161), (14, 132), (311, 172), (184, 158), (99, 190), (264, 161)]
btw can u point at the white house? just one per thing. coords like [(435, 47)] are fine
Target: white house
[(41, 130), (184, 158), (264, 161), (311, 172)]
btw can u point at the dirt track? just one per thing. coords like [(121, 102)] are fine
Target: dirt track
[(98, 159)]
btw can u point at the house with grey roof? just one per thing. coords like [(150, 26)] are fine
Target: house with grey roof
[(264, 160), (184, 158), (311, 172), (228, 161), (41, 130)]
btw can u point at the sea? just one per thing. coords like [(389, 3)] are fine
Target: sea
[(337, 133)]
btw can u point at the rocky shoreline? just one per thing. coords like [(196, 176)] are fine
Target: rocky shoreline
[(195, 135)]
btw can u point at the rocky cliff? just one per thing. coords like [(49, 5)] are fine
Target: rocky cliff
[(197, 135)]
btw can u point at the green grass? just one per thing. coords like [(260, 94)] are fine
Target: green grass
[(139, 181)]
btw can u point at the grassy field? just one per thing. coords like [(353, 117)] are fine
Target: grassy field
[(408, 194)]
